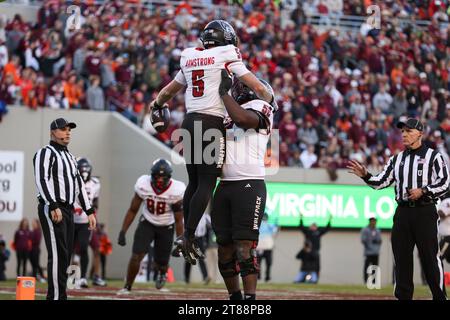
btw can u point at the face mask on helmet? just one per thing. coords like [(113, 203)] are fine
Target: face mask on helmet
[(161, 173), (160, 181), (85, 173), (85, 169), (241, 93)]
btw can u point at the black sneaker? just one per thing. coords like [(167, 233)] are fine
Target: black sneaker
[(160, 280)]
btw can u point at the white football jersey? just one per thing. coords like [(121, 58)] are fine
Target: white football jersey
[(93, 191), (246, 149), (444, 224), (201, 73), (157, 207)]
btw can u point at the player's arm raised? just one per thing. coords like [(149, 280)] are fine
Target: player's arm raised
[(251, 81), (169, 91), (245, 119), (129, 217), (237, 67)]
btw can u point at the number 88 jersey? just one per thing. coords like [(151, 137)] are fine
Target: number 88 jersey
[(158, 206), (201, 73)]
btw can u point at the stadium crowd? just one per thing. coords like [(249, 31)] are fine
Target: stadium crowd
[(340, 92)]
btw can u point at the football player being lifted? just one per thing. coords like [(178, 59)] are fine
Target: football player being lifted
[(240, 199), (200, 74), (161, 214)]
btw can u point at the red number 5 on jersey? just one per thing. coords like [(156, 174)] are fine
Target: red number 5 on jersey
[(198, 85)]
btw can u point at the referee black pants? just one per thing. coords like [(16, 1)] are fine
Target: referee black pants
[(417, 226), (59, 242)]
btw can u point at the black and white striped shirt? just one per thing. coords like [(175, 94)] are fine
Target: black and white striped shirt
[(411, 169), (58, 179)]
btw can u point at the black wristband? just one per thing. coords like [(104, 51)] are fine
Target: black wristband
[(53, 206), (367, 177), (90, 211)]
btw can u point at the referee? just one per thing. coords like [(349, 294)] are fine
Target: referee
[(59, 185), (421, 177)]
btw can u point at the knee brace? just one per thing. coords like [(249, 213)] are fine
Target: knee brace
[(228, 269), (247, 258)]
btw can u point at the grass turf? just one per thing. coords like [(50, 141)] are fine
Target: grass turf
[(421, 292)]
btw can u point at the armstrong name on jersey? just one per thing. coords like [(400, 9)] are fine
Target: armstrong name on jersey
[(157, 208), (199, 62), (246, 149), (93, 191)]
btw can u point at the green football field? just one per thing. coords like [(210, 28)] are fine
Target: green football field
[(199, 291)]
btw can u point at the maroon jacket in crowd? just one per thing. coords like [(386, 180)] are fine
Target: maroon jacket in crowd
[(5, 96), (22, 240), (123, 74), (36, 236), (92, 64)]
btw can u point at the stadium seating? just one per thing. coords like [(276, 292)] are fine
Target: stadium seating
[(341, 88)]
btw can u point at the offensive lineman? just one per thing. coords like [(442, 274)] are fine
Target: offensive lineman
[(82, 234), (163, 199), (201, 74), (240, 199)]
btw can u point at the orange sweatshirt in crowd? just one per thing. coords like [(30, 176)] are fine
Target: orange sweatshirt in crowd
[(26, 85), (73, 93), (105, 245), (10, 68), (30, 100)]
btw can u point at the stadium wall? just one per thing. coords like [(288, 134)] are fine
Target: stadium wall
[(120, 152), (28, 12)]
